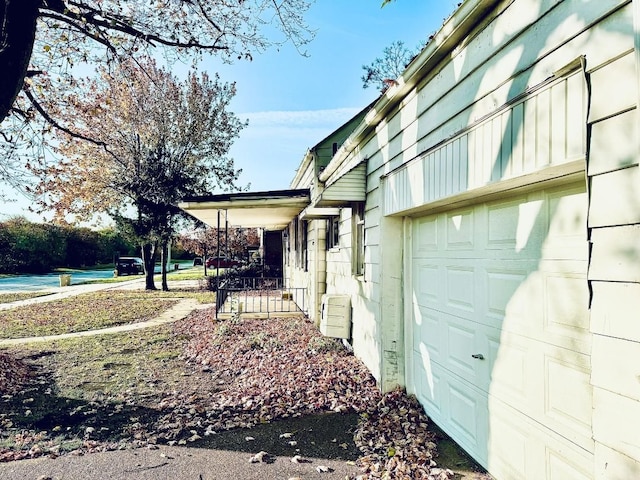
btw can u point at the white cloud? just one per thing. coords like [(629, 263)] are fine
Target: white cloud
[(302, 118)]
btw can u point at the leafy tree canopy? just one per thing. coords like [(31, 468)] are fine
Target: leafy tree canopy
[(153, 141), (44, 41)]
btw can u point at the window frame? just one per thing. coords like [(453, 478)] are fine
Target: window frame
[(358, 238), (333, 232)]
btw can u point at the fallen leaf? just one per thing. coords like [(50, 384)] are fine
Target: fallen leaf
[(259, 457)]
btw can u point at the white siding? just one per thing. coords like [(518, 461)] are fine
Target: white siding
[(494, 150), (614, 216)]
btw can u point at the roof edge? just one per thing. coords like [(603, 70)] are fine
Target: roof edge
[(228, 197), (460, 23)]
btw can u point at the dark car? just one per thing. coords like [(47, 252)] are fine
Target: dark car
[(129, 266), (221, 262)]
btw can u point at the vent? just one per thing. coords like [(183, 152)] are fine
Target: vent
[(335, 320)]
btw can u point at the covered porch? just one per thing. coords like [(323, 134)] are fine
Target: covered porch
[(265, 293)]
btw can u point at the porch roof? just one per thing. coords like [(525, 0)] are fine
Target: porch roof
[(271, 210)]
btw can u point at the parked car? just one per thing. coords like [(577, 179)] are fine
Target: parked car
[(222, 262), (129, 266)]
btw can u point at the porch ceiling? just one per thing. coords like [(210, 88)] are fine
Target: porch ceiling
[(272, 210)]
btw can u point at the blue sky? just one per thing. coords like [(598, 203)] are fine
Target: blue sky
[(293, 101)]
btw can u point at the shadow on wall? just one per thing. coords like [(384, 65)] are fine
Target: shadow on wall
[(500, 323)]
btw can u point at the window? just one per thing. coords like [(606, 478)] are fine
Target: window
[(301, 243), (357, 217), (294, 240), (333, 232), (286, 245), (304, 261)]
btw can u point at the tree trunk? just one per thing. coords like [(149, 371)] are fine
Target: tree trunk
[(17, 35), (149, 259), (165, 254)]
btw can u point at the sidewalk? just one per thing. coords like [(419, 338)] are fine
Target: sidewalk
[(168, 463)]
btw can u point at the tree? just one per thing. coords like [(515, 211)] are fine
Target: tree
[(384, 71), (156, 141), (27, 247), (234, 241), (42, 43)]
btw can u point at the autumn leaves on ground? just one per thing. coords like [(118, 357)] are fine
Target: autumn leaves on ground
[(203, 383)]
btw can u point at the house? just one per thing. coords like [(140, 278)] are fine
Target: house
[(483, 221)]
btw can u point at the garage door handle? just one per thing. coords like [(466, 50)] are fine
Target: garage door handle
[(478, 356)]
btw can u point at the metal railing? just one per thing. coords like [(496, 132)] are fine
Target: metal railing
[(258, 295)]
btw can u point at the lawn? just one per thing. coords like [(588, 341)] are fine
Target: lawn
[(89, 311), (15, 297)]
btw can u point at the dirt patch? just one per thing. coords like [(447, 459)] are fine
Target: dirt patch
[(328, 435)]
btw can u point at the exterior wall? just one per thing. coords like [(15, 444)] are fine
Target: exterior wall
[(453, 116), (296, 275), (614, 273), (522, 46)]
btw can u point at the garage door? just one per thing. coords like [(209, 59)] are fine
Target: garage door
[(500, 331)]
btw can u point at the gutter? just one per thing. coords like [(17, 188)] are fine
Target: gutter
[(461, 22)]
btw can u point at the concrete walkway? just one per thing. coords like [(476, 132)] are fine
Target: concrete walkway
[(179, 311)]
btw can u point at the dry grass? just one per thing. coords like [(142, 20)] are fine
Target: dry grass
[(15, 297)]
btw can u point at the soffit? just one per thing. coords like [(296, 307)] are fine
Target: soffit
[(271, 210)]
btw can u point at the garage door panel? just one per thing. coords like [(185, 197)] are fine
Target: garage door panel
[(547, 384), (429, 333), (455, 342), (568, 225), (566, 307), (428, 285), (568, 401), (460, 231), (517, 227), (425, 236), (460, 293), (465, 409), (511, 378), (512, 438), (461, 344), (549, 304), (428, 386), (524, 448), (457, 404), (512, 292)]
